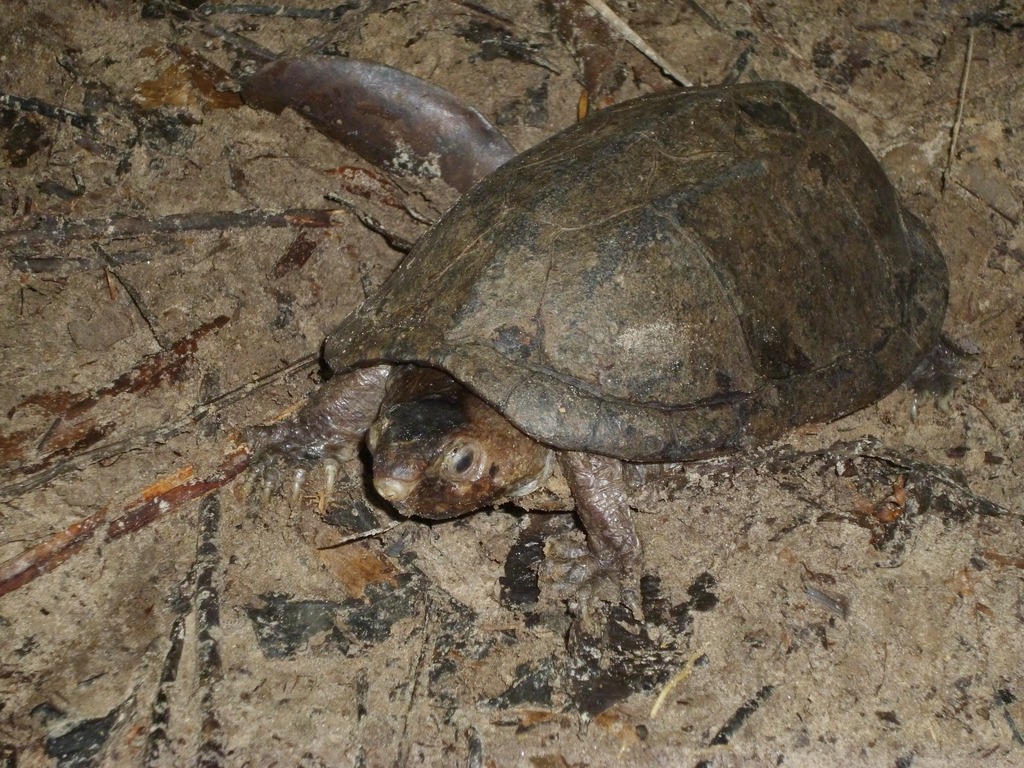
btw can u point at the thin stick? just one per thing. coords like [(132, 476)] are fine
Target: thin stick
[(150, 437), (619, 25), (58, 230), (59, 547), (712, 22), (281, 11), (243, 44), (137, 517), (28, 104), (679, 677), (43, 558), (397, 242), (961, 98), (209, 664), (359, 536), (141, 306), (1014, 220)]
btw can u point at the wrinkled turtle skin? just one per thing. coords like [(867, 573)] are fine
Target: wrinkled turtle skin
[(680, 275)]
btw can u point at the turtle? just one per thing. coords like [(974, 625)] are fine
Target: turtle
[(682, 275)]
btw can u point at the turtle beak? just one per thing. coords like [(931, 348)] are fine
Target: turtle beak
[(399, 484), (393, 490)]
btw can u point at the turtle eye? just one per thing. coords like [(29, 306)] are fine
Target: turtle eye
[(463, 462)]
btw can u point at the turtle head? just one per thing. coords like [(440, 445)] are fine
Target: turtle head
[(441, 454)]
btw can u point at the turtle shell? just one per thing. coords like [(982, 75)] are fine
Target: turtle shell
[(681, 274)]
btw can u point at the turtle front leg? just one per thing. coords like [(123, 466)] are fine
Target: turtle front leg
[(328, 428), (614, 555)]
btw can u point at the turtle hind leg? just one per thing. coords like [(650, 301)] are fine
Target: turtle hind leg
[(609, 568), (941, 372), (328, 429)]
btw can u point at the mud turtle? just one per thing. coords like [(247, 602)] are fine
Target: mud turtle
[(680, 275)]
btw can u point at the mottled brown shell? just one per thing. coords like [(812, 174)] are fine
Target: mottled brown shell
[(681, 274)]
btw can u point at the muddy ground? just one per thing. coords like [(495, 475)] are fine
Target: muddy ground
[(853, 595)]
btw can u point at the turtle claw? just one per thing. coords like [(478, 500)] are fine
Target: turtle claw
[(269, 478), (264, 476), (281, 449), (298, 480), (588, 583), (331, 467), (948, 365)]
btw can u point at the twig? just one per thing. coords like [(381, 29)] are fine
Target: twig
[(680, 676), (619, 25), (242, 44), (397, 242), (137, 517), (710, 20), (359, 536), (136, 298), (937, 476), (60, 231), (43, 558), (1014, 220), (1011, 722), (29, 104), (160, 711), (741, 715), (961, 98), (418, 681), (209, 668), (149, 437), (71, 431), (282, 11)]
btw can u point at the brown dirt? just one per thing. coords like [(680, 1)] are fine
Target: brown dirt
[(817, 604)]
